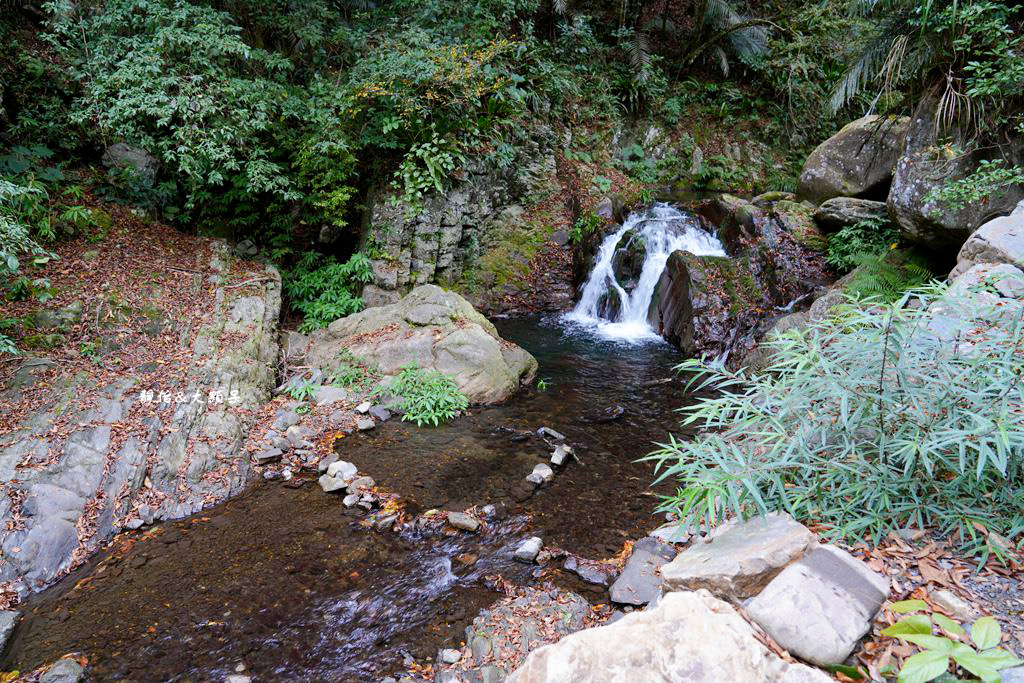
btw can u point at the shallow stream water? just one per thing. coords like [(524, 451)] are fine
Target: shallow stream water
[(287, 583)]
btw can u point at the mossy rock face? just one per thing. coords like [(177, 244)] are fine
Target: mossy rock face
[(102, 220), (798, 221)]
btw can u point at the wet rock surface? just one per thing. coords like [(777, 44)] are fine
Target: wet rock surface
[(68, 491), (640, 581)]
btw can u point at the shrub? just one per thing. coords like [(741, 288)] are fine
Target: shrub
[(426, 396), (324, 290), (864, 422), (866, 237), (991, 179)]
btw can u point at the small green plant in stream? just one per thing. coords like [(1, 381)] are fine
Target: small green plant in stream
[(979, 656), (543, 384), (427, 397), (302, 391)]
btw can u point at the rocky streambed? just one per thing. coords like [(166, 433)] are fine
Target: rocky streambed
[(285, 583)]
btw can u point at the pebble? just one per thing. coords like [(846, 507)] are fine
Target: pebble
[(460, 520), (296, 436), (281, 442), (548, 431), (544, 472), (351, 499), (449, 656), (365, 424), (361, 484), (269, 455), (380, 413), (331, 484), (326, 461), (561, 455), (363, 408), (286, 474), (529, 549), (342, 469)]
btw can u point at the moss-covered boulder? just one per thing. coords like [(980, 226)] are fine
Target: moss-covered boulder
[(435, 329)]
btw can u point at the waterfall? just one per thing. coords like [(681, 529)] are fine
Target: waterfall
[(663, 229)]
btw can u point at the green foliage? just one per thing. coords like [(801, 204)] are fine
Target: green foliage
[(426, 397), (868, 237), (302, 391), (864, 422), (944, 642), (990, 180), (888, 275), (585, 226), (325, 290)]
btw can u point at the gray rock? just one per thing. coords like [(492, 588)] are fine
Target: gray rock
[(1014, 675), (819, 607), (351, 500), (331, 484), (561, 455), (857, 160), (361, 485), (380, 413), (365, 424), (238, 678), (671, 532), (63, 671), (141, 162), (543, 473), (246, 249), (739, 558), (551, 433), (840, 212), (296, 436), (449, 656), (460, 520), (958, 608), (640, 582), (591, 572), (1001, 240), (326, 462), (689, 636), (8, 620), (528, 550), (363, 408), (437, 330), (329, 395), (270, 455), (281, 443), (342, 469)]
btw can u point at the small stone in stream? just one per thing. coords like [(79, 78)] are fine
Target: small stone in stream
[(819, 607), (296, 436), (330, 484), (489, 511), (528, 550), (271, 475), (548, 431), (239, 668), (365, 424), (590, 572), (561, 455), (380, 413), (342, 469), (286, 474), (281, 443), (63, 671), (545, 473), (640, 582), (237, 678), (460, 520), (449, 656), (361, 485), (8, 620), (385, 523), (326, 461), (134, 523), (351, 499), (366, 504), (270, 455), (363, 408)]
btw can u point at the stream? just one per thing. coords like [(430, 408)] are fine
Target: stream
[(284, 583)]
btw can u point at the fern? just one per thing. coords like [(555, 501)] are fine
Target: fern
[(888, 276)]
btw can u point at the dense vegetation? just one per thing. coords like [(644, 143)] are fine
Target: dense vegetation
[(846, 426)]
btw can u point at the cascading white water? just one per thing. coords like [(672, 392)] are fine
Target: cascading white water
[(664, 229)]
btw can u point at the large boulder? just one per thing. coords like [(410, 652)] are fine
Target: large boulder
[(688, 636), (840, 212), (144, 165), (436, 330), (739, 558), (925, 166), (1001, 240), (819, 607), (857, 161)]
